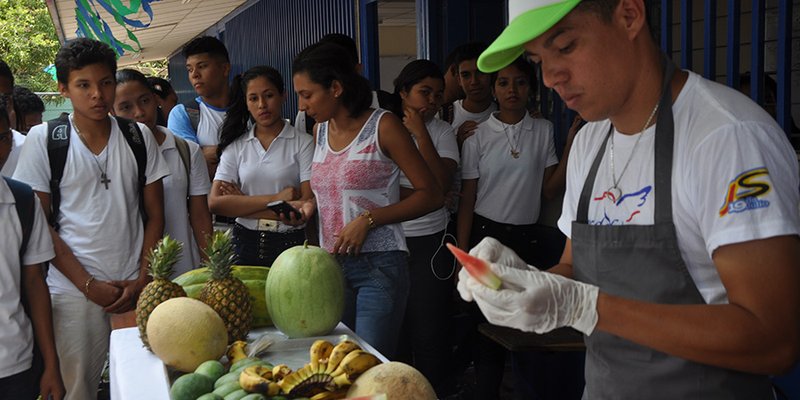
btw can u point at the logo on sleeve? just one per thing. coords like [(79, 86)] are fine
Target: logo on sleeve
[(744, 192)]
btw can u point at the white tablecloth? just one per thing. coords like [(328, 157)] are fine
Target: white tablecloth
[(137, 374)]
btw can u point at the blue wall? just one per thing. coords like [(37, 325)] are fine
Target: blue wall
[(273, 32)]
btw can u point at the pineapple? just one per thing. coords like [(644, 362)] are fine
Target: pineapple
[(161, 259), (226, 294)]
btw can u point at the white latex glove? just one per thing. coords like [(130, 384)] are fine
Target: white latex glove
[(532, 300), (492, 251)]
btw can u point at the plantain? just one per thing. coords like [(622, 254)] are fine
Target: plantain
[(339, 352)]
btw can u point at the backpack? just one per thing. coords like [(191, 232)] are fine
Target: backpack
[(24, 203), (183, 151), (58, 143), (193, 111)]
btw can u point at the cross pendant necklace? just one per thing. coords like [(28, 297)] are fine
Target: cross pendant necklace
[(513, 148), (103, 175)]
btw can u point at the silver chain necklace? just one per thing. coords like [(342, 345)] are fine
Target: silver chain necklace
[(614, 189), (514, 149), (103, 176)]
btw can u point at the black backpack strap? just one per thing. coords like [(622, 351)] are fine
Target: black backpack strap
[(133, 135), (24, 203), (58, 132), (183, 151), (193, 111)]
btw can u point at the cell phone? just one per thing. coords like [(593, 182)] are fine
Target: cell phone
[(282, 207)]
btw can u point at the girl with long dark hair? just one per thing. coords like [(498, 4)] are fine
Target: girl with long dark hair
[(188, 221), (262, 159), (425, 338), (358, 158)]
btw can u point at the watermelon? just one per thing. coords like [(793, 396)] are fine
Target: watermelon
[(477, 268), (255, 278), (305, 292)]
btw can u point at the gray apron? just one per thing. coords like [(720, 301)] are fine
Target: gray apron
[(643, 262)]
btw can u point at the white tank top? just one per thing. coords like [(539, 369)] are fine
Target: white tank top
[(352, 180)]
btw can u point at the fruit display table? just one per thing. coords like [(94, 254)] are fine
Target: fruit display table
[(135, 373)]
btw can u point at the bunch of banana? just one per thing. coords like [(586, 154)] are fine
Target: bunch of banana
[(330, 371), (258, 379)]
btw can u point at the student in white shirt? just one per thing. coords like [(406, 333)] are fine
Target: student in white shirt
[(100, 265), (477, 105), (507, 166), (22, 282), (262, 159), (186, 216), (425, 338)]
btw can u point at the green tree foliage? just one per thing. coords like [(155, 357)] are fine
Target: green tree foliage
[(28, 42)]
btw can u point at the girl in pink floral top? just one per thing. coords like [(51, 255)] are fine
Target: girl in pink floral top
[(355, 179)]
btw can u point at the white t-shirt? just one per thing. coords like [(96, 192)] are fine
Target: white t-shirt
[(460, 115), (287, 162), (723, 142), (11, 162), (176, 188), (102, 227), (211, 119), (444, 141), (16, 335), (509, 189)]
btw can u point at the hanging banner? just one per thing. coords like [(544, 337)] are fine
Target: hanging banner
[(92, 25)]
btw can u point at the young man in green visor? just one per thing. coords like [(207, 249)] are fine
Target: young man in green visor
[(682, 266)]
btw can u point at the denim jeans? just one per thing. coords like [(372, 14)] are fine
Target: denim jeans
[(376, 289)]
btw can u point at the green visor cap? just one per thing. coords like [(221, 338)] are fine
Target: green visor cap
[(529, 19)]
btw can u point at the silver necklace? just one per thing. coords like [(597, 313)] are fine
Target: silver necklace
[(514, 149), (103, 176), (614, 189)]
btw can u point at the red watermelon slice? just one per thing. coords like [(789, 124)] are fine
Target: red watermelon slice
[(476, 267)]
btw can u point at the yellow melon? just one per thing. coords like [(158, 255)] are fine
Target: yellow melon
[(184, 332), (397, 380)]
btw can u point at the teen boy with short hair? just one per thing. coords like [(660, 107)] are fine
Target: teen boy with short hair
[(21, 281), (477, 105), (208, 66), (684, 273), (102, 240)]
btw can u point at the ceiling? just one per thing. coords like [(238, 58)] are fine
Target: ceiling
[(175, 22)]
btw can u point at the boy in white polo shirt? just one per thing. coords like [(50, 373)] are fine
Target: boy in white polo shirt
[(100, 265), (21, 281)]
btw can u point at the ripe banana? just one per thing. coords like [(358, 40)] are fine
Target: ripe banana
[(353, 365), (339, 352), (280, 371), (237, 351), (256, 379), (321, 349)]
